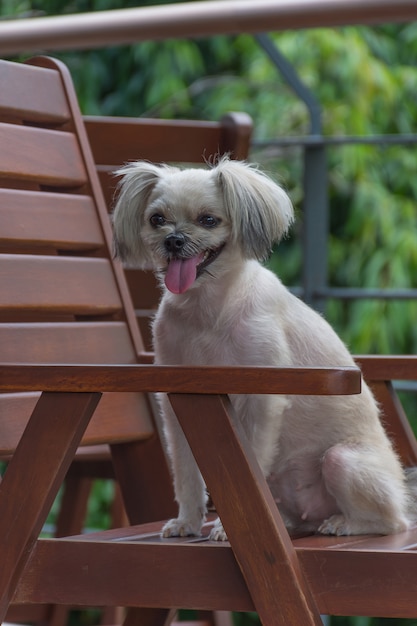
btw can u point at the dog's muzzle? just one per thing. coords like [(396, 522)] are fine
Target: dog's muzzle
[(183, 270)]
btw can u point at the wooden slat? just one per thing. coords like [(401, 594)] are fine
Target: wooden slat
[(375, 367), (350, 580), (117, 140), (32, 95), (80, 342), (159, 574), (39, 218), (57, 284), (133, 421), (43, 156), (144, 289), (350, 577), (180, 379)]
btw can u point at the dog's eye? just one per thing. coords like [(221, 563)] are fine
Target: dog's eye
[(157, 220), (209, 221)]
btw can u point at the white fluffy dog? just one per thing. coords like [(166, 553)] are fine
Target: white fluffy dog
[(329, 463)]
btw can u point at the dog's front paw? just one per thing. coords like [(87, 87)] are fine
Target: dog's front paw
[(179, 527), (217, 533), (334, 525)]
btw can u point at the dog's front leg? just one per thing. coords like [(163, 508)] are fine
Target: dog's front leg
[(190, 490), (261, 418)]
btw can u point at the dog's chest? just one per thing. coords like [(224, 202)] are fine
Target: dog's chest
[(200, 341)]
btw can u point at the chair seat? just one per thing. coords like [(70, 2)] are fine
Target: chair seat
[(167, 572), (152, 571), (357, 575)]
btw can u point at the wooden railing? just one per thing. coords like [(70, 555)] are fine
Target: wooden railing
[(193, 19)]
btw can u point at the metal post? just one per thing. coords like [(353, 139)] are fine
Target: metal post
[(315, 203), (315, 226)]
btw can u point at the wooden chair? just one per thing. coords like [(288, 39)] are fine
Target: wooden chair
[(380, 372), (44, 224), (68, 331), (115, 141), (64, 301)]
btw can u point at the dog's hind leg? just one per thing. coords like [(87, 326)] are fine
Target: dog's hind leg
[(368, 485)]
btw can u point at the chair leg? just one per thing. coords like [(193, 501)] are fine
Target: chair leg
[(57, 424), (74, 504), (213, 618), (149, 617)]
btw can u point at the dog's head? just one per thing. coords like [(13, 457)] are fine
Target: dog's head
[(186, 223)]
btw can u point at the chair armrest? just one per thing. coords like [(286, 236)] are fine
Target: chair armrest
[(180, 379), (387, 367)]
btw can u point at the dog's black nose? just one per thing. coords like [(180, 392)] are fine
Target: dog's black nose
[(174, 242)]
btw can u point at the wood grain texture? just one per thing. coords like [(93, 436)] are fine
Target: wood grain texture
[(45, 218), (78, 286), (388, 367), (29, 487), (116, 140), (44, 156), (248, 512), (32, 95), (204, 380), (70, 342)]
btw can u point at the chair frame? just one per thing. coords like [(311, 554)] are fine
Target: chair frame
[(287, 581)]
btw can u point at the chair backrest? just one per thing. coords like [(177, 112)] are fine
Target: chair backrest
[(62, 297), (117, 140)]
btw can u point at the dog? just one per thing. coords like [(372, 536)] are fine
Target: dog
[(205, 231)]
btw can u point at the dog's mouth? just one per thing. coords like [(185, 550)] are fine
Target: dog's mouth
[(182, 272)]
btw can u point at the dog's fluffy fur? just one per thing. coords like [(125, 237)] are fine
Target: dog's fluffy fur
[(329, 463)]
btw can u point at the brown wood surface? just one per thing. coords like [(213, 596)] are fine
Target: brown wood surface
[(58, 284), (34, 475), (148, 497), (388, 367), (249, 514), (347, 575), (45, 218), (119, 417), (73, 342), (150, 574), (115, 140), (47, 101), (184, 379), (28, 156), (370, 576)]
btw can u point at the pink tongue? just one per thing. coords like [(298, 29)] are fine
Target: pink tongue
[(181, 274)]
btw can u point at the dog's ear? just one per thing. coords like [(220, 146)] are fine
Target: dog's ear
[(134, 188), (260, 211)]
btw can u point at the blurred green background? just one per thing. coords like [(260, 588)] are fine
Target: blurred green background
[(366, 82)]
